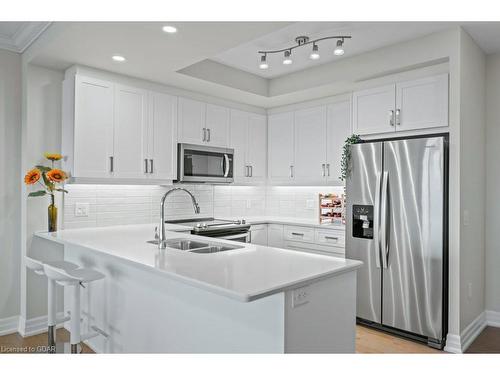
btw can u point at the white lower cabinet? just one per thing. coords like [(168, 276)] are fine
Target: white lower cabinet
[(259, 234), (275, 235)]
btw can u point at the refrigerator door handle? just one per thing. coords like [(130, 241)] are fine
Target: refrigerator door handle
[(376, 220), (383, 221)]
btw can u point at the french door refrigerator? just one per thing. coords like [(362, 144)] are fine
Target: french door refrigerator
[(397, 225)]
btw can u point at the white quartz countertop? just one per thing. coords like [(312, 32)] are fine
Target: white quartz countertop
[(285, 221), (244, 274)]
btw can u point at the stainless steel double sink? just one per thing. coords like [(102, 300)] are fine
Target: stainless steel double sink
[(197, 247)]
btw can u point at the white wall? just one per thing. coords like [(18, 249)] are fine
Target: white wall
[(10, 178), (472, 179), (492, 182), (41, 133)]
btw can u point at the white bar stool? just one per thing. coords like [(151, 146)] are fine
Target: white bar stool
[(37, 267), (75, 278)]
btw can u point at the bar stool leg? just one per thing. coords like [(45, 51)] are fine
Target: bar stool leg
[(51, 315), (75, 319)]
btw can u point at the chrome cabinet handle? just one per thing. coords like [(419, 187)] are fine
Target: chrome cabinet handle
[(391, 117), (398, 117), (251, 170), (208, 138), (332, 238), (291, 171), (146, 166), (151, 169), (328, 170), (324, 170), (204, 134), (246, 170), (111, 164), (297, 234)]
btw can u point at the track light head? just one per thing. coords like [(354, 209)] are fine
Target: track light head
[(315, 52), (287, 60), (263, 63), (339, 50)]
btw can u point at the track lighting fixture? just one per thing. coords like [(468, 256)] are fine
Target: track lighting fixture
[(315, 53), (287, 60), (263, 63), (339, 50)]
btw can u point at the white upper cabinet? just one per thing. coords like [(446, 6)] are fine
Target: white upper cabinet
[(310, 145), (257, 147), (373, 110), (191, 121), (88, 138), (411, 105), (422, 103), (281, 146), (201, 123), (161, 161), (249, 141), (217, 125), (338, 130), (130, 132), (116, 132)]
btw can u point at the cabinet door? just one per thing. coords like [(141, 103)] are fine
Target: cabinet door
[(280, 130), (338, 129), (310, 145), (373, 110), (238, 142), (422, 103), (162, 136), (259, 234), (257, 147), (275, 235), (93, 132), (130, 132), (217, 124), (191, 121)]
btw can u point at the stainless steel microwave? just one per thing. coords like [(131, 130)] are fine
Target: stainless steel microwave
[(198, 163)]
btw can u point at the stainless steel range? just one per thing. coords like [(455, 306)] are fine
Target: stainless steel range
[(235, 230)]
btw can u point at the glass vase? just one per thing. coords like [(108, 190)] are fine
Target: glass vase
[(52, 212)]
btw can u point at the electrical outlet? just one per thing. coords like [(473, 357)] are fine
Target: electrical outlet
[(300, 297), (82, 209), (310, 203), (469, 290)]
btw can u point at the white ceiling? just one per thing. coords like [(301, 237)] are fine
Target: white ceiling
[(366, 36), (17, 36)]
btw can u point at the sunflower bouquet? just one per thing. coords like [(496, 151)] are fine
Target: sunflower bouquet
[(49, 178)]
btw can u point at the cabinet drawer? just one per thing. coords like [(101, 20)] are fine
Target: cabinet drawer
[(330, 237), (302, 234)]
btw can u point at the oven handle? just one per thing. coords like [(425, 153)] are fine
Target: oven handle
[(246, 235), (226, 171)]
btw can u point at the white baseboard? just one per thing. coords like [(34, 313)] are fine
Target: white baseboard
[(35, 326), (453, 344), (493, 318), (9, 325)]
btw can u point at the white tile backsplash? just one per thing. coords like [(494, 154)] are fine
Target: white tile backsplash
[(128, 204)]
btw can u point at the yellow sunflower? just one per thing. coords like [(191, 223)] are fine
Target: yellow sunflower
[(32, 176), (56, 175), (52, 156)]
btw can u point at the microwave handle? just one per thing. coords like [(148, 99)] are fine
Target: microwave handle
[(226, 169)]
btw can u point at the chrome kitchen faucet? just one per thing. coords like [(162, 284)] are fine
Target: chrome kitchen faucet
[(161, 240)]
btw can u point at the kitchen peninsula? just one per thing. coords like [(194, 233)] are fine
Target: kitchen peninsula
[(252, 299)]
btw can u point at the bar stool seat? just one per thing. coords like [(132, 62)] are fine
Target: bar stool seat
[(37, 267), (74, 278)]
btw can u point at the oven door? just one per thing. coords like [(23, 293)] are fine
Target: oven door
[(240, 237), (205, 164)]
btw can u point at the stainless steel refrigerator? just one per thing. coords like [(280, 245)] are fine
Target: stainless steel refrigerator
[(397, 225)]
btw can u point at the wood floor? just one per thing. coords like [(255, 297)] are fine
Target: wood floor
[(367, 341)]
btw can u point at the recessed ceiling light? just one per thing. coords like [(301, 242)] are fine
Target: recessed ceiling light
[(118, 58), (170, 29)]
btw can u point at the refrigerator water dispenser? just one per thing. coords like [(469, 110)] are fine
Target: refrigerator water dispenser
[(362, 221)]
